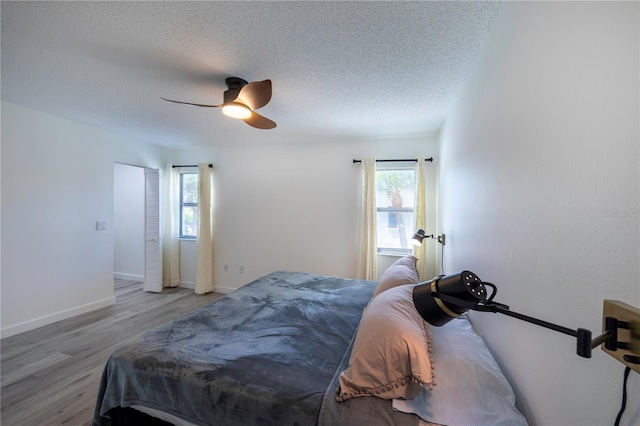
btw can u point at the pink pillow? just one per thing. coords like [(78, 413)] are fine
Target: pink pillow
[(391, 356), (402, 271)]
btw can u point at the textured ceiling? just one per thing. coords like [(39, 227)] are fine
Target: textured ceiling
[(346, 70)]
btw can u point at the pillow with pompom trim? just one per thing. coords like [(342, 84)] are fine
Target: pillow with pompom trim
[(391, 356)]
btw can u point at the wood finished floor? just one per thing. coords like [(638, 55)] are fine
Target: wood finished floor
[(50, 376)]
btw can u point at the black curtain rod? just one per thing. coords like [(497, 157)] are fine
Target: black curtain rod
[(430, 159), (175, 166)]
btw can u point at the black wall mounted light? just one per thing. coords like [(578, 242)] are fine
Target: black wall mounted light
[(446, 297), (420, 235)]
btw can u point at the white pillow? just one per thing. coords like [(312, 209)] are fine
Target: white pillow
[(471, 388)]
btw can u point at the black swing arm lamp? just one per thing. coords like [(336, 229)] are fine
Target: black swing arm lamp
[(445, 297), (420, 235)]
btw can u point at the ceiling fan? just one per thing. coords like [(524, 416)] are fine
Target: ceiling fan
[(241, 99)]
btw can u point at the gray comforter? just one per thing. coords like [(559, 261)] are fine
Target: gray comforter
[(265, 354)]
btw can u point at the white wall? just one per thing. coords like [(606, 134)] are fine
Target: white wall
[(128, 222), (540, 195), (57, 181), (277, 207), (293, 207), (188, 265)]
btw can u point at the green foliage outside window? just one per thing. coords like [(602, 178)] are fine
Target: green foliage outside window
[(393, 182), (188, 205), (395, 189)]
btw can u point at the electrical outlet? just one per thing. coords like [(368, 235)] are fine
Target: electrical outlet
[(628, 332), (241, 269), (101, 225), (226, 268)]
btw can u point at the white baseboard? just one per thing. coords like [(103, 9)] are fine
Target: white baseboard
[(124, 276), (12, 330), (187, 284)]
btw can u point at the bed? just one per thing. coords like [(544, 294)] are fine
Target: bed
[(278, 351)]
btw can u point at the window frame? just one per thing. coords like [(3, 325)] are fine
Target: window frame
[(183, 204), (393, 166)]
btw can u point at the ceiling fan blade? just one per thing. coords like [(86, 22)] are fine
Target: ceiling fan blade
[(259, 122), (255, 95), (189, 103)]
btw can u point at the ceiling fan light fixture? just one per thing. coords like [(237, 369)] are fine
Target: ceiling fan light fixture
[(236, 110), (241, 100)]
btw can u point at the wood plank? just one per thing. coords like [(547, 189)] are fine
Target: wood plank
[(10, 376), (51, 375)]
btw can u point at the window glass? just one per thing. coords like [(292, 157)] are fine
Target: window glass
[(190, 188), (395, 199), (188, 205)]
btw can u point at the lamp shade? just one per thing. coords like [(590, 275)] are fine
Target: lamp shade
[(465, 288), (417, 238)]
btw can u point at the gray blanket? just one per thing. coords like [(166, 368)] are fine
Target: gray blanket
[(262, 355)]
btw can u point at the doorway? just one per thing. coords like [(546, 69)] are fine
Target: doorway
[(128, 222)]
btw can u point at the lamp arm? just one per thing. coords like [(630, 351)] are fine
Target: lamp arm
[(503, 309), (584, 341)]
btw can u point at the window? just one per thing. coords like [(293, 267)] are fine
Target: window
[(395, 201), (188, 205)]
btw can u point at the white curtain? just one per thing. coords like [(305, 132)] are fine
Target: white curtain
[(368, 254), (171, 229), (421, 217), (204, 244)]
